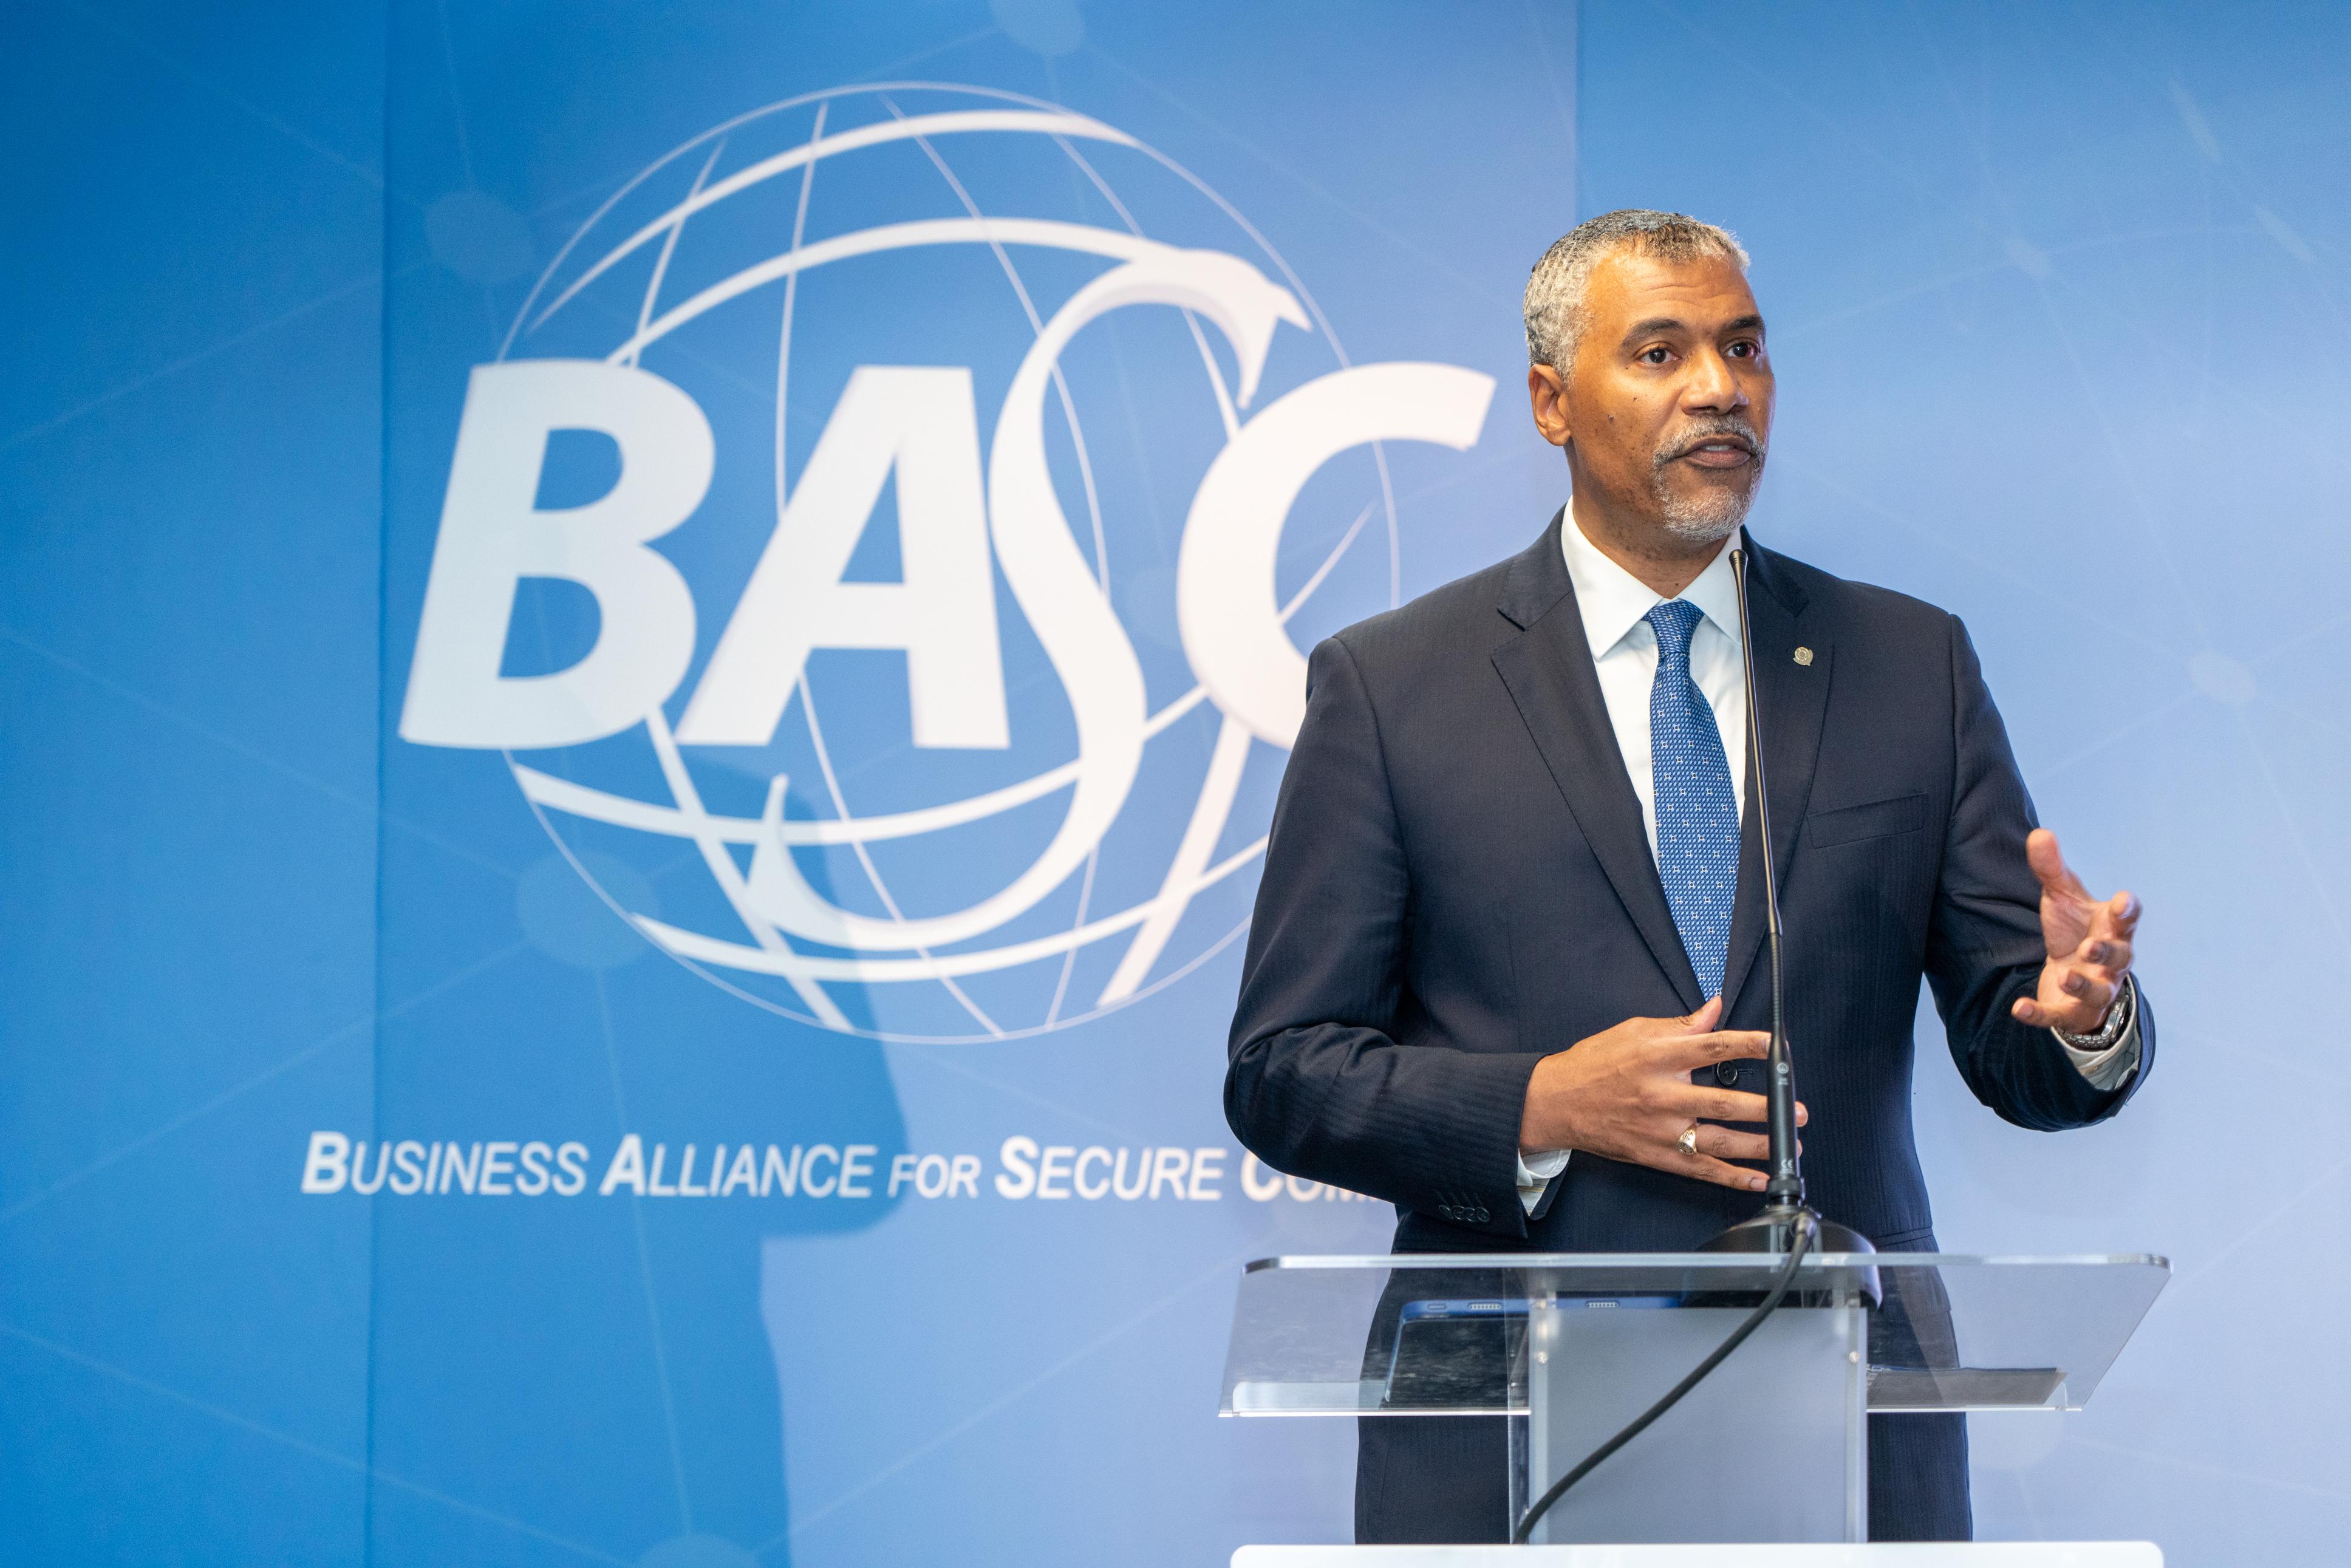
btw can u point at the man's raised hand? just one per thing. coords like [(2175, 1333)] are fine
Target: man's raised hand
[(1625, 1095), (2089, 942)]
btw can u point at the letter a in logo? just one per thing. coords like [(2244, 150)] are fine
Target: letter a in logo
[(943, 611)]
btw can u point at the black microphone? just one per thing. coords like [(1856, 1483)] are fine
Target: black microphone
[(1775, 1229)]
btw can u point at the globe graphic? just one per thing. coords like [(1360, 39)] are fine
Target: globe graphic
[(758, 268)]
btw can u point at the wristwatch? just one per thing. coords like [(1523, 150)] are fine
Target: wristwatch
[(2118, 1016)]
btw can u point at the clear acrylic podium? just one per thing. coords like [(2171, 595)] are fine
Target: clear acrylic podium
[(1567, 1347)]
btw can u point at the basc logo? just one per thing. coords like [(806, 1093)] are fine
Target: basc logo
[(982, 773)]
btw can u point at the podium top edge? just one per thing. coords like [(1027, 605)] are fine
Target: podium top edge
[(1574, 1262)]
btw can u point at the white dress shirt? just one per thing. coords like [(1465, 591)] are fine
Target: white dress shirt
[(1613, 604)]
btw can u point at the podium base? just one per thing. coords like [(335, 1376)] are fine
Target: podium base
[(1773, 1230)]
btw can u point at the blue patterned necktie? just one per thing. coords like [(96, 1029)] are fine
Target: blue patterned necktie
[(1697, 816)]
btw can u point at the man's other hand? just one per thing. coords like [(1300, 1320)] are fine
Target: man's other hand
[(2089, 942), (1625, 1095)]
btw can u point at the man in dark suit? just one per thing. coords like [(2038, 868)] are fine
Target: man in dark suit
[(1503, 971)]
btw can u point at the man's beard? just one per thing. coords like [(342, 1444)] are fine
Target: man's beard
[(1715, 514)]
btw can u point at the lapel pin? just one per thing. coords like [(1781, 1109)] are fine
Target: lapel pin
[(1804, 655)]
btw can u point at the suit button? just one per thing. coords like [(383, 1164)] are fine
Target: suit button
[(1726, 1072), (1482, 1216)]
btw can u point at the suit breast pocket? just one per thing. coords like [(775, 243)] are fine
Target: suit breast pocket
[(1876, 819)]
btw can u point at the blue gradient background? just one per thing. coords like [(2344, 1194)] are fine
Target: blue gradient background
[(2056, 299)]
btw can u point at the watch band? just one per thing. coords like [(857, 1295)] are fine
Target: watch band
[(2118, 1016)]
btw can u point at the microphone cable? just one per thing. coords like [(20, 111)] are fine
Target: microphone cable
[(1798, 1242)]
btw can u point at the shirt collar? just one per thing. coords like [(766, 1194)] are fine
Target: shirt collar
[(1613, 600)]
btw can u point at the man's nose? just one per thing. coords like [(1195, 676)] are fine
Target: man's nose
[(1714, 385)]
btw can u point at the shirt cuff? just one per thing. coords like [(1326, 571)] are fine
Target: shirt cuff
[(1535, 1171), (2108, 1070)]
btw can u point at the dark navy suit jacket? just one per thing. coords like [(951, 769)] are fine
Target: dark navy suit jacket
[(1459, 884)]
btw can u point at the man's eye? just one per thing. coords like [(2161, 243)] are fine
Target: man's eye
[(1746, 351), (1654, 356)]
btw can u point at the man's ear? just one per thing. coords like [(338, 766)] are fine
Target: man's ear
[(1547, 399)]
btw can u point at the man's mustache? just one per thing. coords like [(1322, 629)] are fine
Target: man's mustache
[(1706, 432)]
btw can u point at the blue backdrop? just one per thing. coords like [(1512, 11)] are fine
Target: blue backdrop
[(2056, 299)]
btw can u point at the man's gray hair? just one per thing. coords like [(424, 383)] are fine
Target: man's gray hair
[(1554, 303)]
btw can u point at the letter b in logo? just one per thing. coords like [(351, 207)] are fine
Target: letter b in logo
[(493, 535)]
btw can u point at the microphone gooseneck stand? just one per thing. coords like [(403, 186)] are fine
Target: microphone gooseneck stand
[(1773, 1229), (1785, 1227)]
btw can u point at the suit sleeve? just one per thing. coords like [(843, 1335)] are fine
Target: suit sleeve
[(1319, 1085), (1984, 948)]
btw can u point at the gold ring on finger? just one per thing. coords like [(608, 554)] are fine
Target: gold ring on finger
[(1688, 1142)]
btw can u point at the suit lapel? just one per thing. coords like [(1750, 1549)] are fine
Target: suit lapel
[(1548, 670), (1791, 700)]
